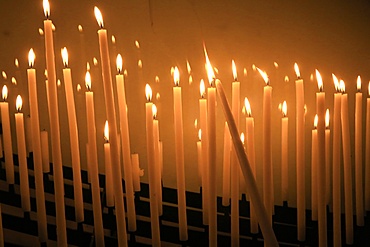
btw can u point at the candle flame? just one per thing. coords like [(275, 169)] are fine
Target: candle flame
[(18, 103), (233, 66), (80, 29), (196, 123), (336, 82), (284, 109), (99, 17), (327, 118), (368, 88), (88, 80), (247, 107), (209, 68), (14, 81), (242, 137), (140, 64), (296, 69), (137, 44), (200, 134), (254, 68), (5, 76), (59, 83), (78, 87), (113, 39), (158, 96), (31, 58), (315, 121), (5, 92), (342, 86), (148, 92), (358, 83), (95, 61), (245, 72), (276, 65), (16, 63), (188, 66), (46, 6), (264, 76), (202, 88), (176, 76), (319, 80), (106, 131), (41, 32), (65, 56), (286, 78), (119, 63), (190, 79), (154, 111)]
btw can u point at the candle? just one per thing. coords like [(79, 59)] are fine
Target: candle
[(249, 123), (137, 173), (358, 157), (28, 135), (36, 147), (284, 153), (110, 110), (22, 157), (211, 111), (337, 238), (126, 152), (93, 163), (200, 158), (300, 156), (45, 151), (314, 161), (179, 152), (226, 168), (327, 158), (348, 207), (108, 168), (203, 117), (7, 138), (54, 129), (260, 210), (267, 146), (367, 158), (154, 218), (157, 154), (73, 137)]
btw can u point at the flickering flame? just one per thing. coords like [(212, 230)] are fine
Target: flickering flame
[(176, 76), (59, 83), (286, 78), (88, 80), (46, 6), (368, 88), (202, 88), (358, 83), (190, 79), (41, 32), (65, 56), (233, 66), (254, 67), (140, 64), (99, 17), (209, 68), (315, 121), (296, 69), (172, 70), (342, 86), (311, 77), (245, 72), (154, 111), (53, 27), (156, 79), (327, 118), (80, 29), (336, 82), (31, 58), (279, 106), (125, 72), (200, 134), (95, 61), (137, 44), (119, 63), (18, 103), (88, 66), (276, 65), (319, 80), (264, 76), (196, 123), (247, 107), (113, 39), (78, 87), (242, 137), (188, 66), (16, 62), (14, 81), (5, 92), (284, 109), (305, 109), (106, 131), (158, 96), (148, 92)]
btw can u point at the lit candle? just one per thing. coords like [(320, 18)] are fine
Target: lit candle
[(93, 163), (260, 210), (45, 151), (267, 146), (321, 202), (22, 157), (348, 207), (358, 157), (157, 154), (314, 161), (249, 130), (7, 137), (226, 168), (284, 153), (203, 117), (327, 158), (73, 137), (54, 129), (337, 238), (367, 158), (126, 152), (110, 110), (108, 168), (179, 151), (199, 153), (36, 146), (154, 218), (300, 156)]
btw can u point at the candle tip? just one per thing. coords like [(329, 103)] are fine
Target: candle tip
[(31, 58), (18, 103), (5, 92), (99, 17)]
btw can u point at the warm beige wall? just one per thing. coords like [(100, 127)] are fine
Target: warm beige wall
[(330, 36)]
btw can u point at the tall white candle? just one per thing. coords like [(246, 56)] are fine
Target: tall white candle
[(300, 156), (28, 135), (45, 151), (22, 157), (7, 137), (199, 155), (54, 129), (125, 146), (367, 158), (157, 154), (284, 153), (226, 168), (36, 147), (136, 171), (358, 157), (348, 207), (108, 168), (93, 163), (74, 140), (327, 159), (111, 115), (314, 161), (179, 151)]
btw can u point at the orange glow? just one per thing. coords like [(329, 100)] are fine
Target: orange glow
[(119, 63), (65, 56), (233, 66), (99, 17), (297, 72), (46, 6), (5, 92), (358, 83), (327, 118), (202, 88), (176, 76), (88, 80), (319, 80), (31, 58), (106, 131), (247, 107), (148, 92), (18, 103)]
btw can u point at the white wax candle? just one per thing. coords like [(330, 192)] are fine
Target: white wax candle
[(300, 156), (125, 146), (108, 169), (367, 158), (327, 160), (284, 154), (37, 154), (314, 161), (74, 140), (226, 168), (111, 115), (28, 135), (136, 171), (45, 151), (22, 158), (200, 161), (157, 161), (358, 157)]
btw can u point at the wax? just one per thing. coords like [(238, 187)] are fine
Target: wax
[(327, 166), (284, 157), (367, 158), (200, 161), (226, 168), (314, 161), (157, 154), (45, 151), (108, 176)]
